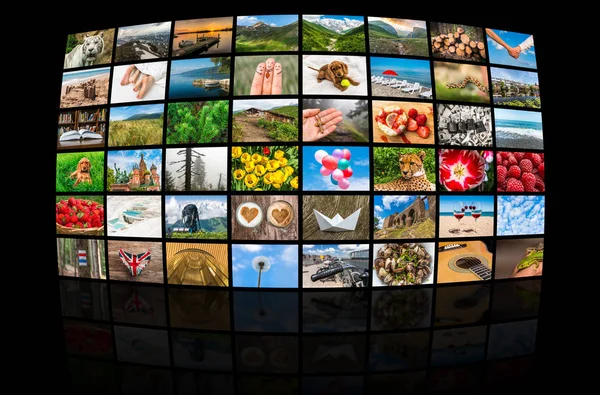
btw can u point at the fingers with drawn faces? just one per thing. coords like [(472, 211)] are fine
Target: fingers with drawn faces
[(270, 64), (260, 69), (278, 68)]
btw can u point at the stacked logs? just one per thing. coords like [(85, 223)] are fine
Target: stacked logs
[(458, 44)]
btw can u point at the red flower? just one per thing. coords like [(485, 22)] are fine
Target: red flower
[(461, 170), (266, 151)]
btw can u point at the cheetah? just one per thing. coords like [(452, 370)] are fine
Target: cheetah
[(413, 175)]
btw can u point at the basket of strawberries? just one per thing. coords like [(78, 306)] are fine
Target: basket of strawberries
[(79, 217)]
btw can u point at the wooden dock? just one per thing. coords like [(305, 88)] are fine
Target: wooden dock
[(202, 44)]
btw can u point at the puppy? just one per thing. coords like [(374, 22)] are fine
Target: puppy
[(82, 174), (335, 72)]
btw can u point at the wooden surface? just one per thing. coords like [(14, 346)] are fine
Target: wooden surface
[(473, 248), (413, 137), (153, 273), (330, 206), (264, 231)]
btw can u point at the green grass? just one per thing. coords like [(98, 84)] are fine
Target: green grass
[(94, 198), (355, 133), (469, 94), (138, 132), (237, 132), (351, 41), (200, 235), (316, 37), (529, 103), (421, 230), (67, 164), (290, 111), (245, 68), (242, 45)]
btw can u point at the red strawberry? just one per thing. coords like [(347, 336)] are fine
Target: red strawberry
[(421, 119), (519, 155), (69, 224), (536, 159), (514, 185), (501, 174), (412, 125), (74, 218), (423, 131), (71, 201), (526, 165), (78, 224), (514, 171), (412, 113), (64, 210), (542, 156), (540, 170), (528, 181)]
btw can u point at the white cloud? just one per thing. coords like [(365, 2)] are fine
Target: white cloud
[(251, 247), (497, 46), (353, 247), (308, 246), (289, 255), (312, 18), (378, 208), (360, 163), (274, 24), (246, 20), (238, 267), (393, 200)]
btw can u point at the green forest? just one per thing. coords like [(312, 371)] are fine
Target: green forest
[(197, 122), (318, 38)]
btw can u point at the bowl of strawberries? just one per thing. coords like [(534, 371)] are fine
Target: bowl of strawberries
[(79, 216)]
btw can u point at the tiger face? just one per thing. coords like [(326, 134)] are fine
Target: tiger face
[(92, 47), (411, 164)]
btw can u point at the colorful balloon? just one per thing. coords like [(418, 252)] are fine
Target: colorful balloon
[(343, 164), (330, 162), (334, 182), (325, 171), (343, 183), (348, 172), (337, 174), (346, 153), (337, 153), (320, 154)]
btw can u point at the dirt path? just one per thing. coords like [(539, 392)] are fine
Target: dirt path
[(331, 44), (251, 132)]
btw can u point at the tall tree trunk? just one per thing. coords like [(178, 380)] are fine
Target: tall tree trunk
[(84, 270)]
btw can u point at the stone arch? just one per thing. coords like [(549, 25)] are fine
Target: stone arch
[(410, 219)]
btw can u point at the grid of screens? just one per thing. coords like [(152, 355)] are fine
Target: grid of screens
[(299, 194)]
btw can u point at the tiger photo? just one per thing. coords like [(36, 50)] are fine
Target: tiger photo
[(88, 49)]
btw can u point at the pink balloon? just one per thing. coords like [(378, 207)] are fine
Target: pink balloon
[(348, 172), (330, 162), (344, 183), (337, 153), (325, 171), (337, 174), (320, 154), (346, 153)]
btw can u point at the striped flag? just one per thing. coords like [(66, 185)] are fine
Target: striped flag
[(135, 262), (82, 257)]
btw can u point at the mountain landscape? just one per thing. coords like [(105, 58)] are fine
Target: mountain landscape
[(145, 46), (213, 221), (215, 224), (384, 38), (262, 37), (320, 36), (135, 117)]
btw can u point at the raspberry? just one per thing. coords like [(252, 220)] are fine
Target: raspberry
[(528, 181), (512, 160), (519, 155), (542, 156), (501, 174), (536, 159), (504, 154), (540, 170), (514, 185), (514, 171), (526, 165), (498, 158), (505, 162), (539, 183), (528, 155)]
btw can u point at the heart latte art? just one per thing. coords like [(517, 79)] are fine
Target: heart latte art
[(249, 214), (280, 214)]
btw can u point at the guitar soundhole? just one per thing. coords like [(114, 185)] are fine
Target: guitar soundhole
[(467, 263)]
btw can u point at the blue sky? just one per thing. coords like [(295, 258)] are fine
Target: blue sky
[(313, 18), (500, 55), (208, 206), (271, 20), (137, 30), (516, 115), (313, 180), (263, 104), (284, 265), (384, 205), (181, 66), (447, 202), (121, 113), (520, 215), (378, 65), (337, 250), (126, 158), (526, 77)]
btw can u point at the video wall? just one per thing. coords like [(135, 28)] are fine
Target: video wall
[(332, 201)]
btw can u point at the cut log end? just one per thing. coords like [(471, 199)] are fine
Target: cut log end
[(461, 46), (464, 38), (482, 53), (452, 49), (457, 34), (480, 45), (460, 52), (473, 44), (437, 44), (460, 30), (438, 39)]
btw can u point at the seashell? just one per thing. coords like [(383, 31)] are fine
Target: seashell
[(388, 264), (388, 278), (379, 262), (382, 273)]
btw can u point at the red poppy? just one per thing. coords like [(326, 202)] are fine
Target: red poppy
[(461, 170), (266, 151)]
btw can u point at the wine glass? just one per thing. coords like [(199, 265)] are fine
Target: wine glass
[(476, 212), (459, 213)]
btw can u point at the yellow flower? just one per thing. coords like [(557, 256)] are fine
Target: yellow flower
[(256, 158), (236, 152), (251, 180), (246, 157), (277, 185), (294, 182), (258, 189), (249, 166), (289, 170), (239, 174), (277, 177), (283, 162), (267, 178), (264, 160), (273, 165), (278, 154), (259, 170)]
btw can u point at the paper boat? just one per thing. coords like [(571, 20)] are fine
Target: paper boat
[(337, 223)]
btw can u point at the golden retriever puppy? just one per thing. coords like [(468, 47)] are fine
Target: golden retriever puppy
[(82, 174), (335, 72)]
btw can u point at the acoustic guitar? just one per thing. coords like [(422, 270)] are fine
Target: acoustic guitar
[(464, 261)]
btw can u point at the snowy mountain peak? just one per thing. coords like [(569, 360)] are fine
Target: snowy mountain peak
[(338, 25)]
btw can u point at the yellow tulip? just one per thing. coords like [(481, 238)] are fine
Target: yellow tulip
[(258, 189), (283, 162), (249, 166), (236, 152), (239, 174), (259, 170), (251, 180), (289, 170), (277, 185), (277, 177), (294, 182), (278, 154), (273, 165), (267, 178), (246, 157), (264, 160), (256, 158)]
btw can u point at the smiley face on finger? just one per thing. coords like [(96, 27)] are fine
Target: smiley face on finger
[(260, 69), (278, 68)]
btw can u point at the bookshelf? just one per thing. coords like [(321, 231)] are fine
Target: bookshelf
[(94, 119)]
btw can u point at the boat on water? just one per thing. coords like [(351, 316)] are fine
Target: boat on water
[(212, 84), (185, 43)]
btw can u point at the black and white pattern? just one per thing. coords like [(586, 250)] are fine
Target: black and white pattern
[(464, 125)]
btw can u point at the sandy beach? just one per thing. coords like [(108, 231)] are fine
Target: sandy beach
[(75, 97), (518, 143), (449, 226), (308, 271), (382, 90)]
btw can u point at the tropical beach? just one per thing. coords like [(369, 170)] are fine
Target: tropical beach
[(400, 78), (449, 226), (85, 88)]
